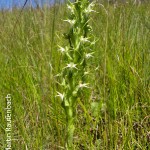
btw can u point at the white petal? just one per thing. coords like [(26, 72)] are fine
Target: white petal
[(60, 95)]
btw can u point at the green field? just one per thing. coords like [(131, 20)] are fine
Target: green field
[(117, 115)]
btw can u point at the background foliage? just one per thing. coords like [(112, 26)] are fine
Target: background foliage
[(120, 79)]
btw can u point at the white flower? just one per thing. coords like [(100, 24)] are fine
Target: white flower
[(72, 22), (84, 39), (60, 95), (71, 8), (84, 85), (89, 55), (71, 65), (61, 49), (89, 9)]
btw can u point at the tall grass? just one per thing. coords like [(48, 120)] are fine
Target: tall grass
[(118, 116)]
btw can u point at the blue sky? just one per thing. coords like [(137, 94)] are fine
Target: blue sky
[(8, 4)]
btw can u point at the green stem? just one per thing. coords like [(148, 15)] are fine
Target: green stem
[(70, 128)]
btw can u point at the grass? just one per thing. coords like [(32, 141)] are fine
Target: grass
[(117, 116)]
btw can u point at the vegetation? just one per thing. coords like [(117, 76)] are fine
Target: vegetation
[(115, 117), (76, 57)]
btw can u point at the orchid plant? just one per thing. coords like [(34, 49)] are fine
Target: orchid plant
[(75, 56)]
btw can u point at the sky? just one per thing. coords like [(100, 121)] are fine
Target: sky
[(8, 4)]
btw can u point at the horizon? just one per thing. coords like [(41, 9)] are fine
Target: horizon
[(9, 4)]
